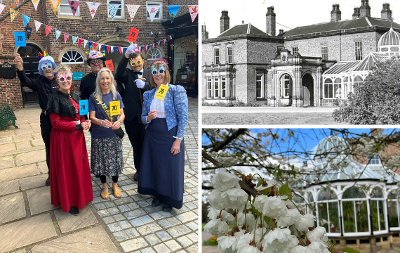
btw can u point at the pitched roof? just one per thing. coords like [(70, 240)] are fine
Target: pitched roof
[(243, 29), (370, 61), (365, 22), (340, 67)]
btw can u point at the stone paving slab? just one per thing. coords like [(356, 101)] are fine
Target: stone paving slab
[(18, 172), (30, 157), (6, 162), (26, 232), (90, 240), (9, 187), (68, 222), (12, 207), (39, 200), (7, 147), (33, 182)]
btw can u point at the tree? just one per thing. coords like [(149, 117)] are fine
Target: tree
[(376, 100)]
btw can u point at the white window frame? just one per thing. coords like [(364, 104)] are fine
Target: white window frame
[(156, 55), (295, 50), (122, 8), (374, 160), (72, 59), (216, 87), (358, 50), (159, 15), (223, 87), (324, 53), (283, 79), (230, 56), (216, 49), (261, 83), (209, 87), (65, 3)]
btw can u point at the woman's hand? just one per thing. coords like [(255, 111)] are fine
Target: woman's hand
[(116, 125), (152, 115), (176, 147), (86, 125), (105, 123)]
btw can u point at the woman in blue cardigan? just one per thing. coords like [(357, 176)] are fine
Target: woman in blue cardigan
[(163, 156)]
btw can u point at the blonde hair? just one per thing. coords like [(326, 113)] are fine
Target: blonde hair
[(97, 93), (167, 77), (62, 68)]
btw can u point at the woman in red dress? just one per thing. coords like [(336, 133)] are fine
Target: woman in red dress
[(71, 184)]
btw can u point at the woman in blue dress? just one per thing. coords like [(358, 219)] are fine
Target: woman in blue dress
[(163, 156)]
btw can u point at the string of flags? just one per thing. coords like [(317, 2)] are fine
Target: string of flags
[(112, 9)]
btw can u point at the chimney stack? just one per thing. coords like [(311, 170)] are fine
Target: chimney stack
[(280, 32), (386, 12), (365, 10), (271, 23), (204, 33), (356, 13), (224, 21), (336, 14)]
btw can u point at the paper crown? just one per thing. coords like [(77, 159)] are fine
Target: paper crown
[(95, 55), (159, 61), (40, 55)]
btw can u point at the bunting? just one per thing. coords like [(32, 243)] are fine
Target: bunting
[(80, 42), (48, 29), (35, 4), (173, 10), (25, 19), (132, 9), (84, 43), (112, 9), (37, 25), (74, 5), (193, 10), (54, 5), (13, 14), (90, 45), (2, 6), (93, 8), (94, 45), (108, 49), (58, 33), (74, 38), (66, 35), (152, 10)]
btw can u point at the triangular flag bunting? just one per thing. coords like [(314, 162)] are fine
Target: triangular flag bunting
[(173, 9), (13, 14), (94, 46), (193, 10), (108, 49), (104, 48), (74, 38), (74, 6), (90, 45), (80, 42), (115, 49), (54, 5), (66, 35), (112, 50), (84, 43), (132, 9), (152, 10), (25, 19), (37, 25), (48, 29), (120, 50), (58, 33), (112, 9), (35, 4), (2, 6), (93, 8)]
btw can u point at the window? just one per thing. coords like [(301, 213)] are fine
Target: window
[(286, 84), (357, 81), (328, 211), (209, 88), (72, 57), (374, 160), (216, 88), (158, 5), (346, 86), (324, 53), (393, 209), (328, 88), (355, 211), (155, 53), (279, 49), (259, 85), (216, 55), (295, 50), (223, 87), (358, 50), (378, 211), (120, 12), (65, 9), (338, 88), (230, 56)]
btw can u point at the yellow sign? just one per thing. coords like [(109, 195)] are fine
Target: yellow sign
[(162, 91), (115, 108)]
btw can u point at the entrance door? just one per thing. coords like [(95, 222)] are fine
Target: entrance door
[(29, 55), (308, 90)]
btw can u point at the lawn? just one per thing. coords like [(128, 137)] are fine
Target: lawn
[(269, 119)]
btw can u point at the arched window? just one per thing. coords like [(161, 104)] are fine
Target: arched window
[(328, 88), (393, 209), (155, 53), (378, 211), (355, 211), (286, 84), (357, 81), (72, 57), (338, 88), (328, 211)]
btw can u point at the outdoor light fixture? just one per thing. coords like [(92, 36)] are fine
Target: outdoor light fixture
[(98, 35), (121, 34), (155, 35), (28, 30)]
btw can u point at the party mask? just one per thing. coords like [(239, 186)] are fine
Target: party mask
[(133, 63), (46, 65), (66, 76), (161, 70), (96, 62)]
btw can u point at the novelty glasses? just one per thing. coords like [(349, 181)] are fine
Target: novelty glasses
[(96, 62), (45, 66), (161, 70), (133, 63), (65, 77)]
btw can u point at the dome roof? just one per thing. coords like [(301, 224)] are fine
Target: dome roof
[(389, 38), (332, 144)]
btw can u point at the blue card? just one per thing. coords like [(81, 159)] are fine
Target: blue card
[(20, 40), (76, 76), (83, 107)]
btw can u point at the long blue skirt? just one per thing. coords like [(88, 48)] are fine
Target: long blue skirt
[(162, 174)]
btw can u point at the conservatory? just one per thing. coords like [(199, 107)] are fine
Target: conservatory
[(357, 204)]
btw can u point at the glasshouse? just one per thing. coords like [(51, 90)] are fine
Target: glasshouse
[(357, 204)]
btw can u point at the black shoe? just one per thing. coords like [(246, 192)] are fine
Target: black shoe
[(167, 208), (136, 176), (48, 181), (98, 176), (155, 202), (74, 210)]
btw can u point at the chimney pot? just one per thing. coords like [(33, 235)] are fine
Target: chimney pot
[(224, 21), (271, 21), (365, 9), (336, 14), (356, 13), (386, 12)]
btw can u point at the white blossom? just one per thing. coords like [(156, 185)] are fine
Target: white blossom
[(305, 222), (275, 206), (317, 235), (318, 247), (224, 180), (226, 242), (216, 227), (279, 240), (235, 198), (248, 249), (214, 213), (288, 218), (300, 249), (248, 218), (216, 200)]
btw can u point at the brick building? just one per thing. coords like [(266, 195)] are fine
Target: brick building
[(101, 29), (314, 65)]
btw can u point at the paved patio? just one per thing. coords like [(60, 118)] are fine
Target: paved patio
[(29, 223)]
